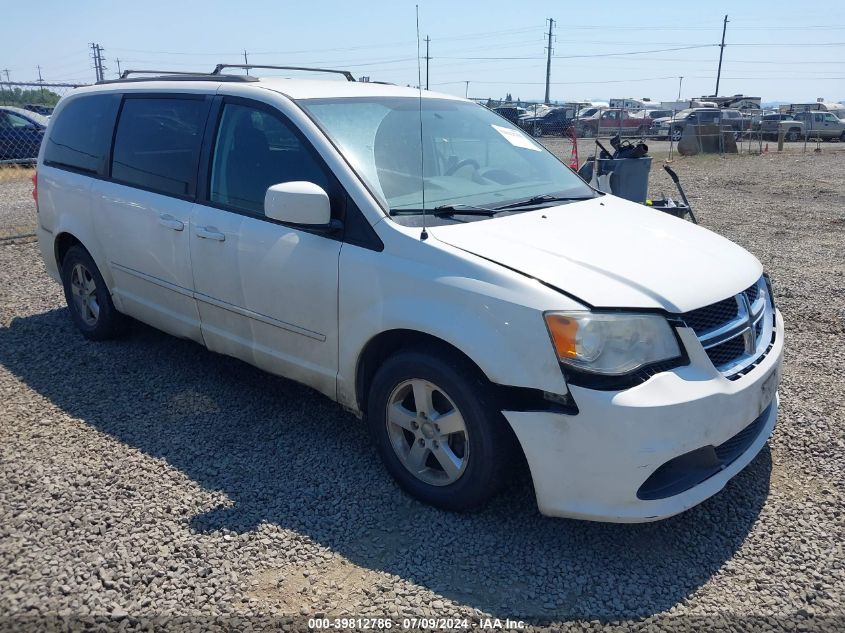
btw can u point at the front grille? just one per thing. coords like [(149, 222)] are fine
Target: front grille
[(710, 317), (752, 293), (732, 331), (727, 352)]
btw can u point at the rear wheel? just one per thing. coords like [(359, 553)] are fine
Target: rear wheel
[(677, 133), (437, 429), (842, 137), (792, 135), (88, 298)]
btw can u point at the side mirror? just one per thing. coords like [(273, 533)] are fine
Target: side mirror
[(298, 202)]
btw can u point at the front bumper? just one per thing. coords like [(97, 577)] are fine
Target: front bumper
[(592, 465)]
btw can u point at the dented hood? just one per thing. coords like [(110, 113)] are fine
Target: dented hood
[(612, 253)]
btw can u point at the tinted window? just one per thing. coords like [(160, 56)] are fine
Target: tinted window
[(254, 150), (81, 133), (157, 144)]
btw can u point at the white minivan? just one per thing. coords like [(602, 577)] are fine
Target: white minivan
[(428, 265)]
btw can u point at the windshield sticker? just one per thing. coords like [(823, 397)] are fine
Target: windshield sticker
[(516, 138)]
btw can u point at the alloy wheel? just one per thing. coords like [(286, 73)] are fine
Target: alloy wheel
[(427, 432), (84, 293)]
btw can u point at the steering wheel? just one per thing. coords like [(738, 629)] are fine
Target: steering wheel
[(462, 163)]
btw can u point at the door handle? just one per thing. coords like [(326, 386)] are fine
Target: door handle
[(210, 233), (165, 219)]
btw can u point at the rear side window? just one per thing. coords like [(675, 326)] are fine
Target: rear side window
[(81, 133), (157, 143)]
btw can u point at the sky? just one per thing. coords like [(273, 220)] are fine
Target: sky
[(600, 49)]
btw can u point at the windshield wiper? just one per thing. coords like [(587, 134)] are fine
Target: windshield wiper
[(463, 209), (542, 199), (446, 210)]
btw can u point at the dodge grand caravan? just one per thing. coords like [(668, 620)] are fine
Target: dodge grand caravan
[(431, 267)]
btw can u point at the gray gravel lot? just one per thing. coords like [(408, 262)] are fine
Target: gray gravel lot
[(17, 211), (147, 477)]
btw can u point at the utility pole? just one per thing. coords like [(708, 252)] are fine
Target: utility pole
[(117, 61), (246, 62), (680, 83), (721, 52), (466, 92), (102, 65), (96, 63), (99, 69), (549, 59), (41, 82), (427, 58)]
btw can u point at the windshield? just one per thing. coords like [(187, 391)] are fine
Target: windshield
[(470, 157)]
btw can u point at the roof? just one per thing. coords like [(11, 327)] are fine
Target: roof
[(293, 88)]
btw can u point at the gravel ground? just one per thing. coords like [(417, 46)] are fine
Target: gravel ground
[(148, 478), (17, 211)]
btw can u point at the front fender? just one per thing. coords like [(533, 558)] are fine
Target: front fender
[(493, 315)]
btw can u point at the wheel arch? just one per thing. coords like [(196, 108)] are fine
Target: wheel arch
[(62, 244), (383, 345)]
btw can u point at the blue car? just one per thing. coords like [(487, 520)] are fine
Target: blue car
[(21, 132)]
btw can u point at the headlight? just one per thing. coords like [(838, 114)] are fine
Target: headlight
[(611, 344)]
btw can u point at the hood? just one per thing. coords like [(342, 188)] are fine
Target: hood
[(663, 119), (612, 253)]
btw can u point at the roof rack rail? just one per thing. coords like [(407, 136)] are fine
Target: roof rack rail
[(174, 75), (247, 67)]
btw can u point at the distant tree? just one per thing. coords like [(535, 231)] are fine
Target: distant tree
[(20, 97), (508, 97)]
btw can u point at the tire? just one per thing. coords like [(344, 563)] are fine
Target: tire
[(791, 136), (88, 298), (676, 134), (842, 138), (588, 132), (480, 449)]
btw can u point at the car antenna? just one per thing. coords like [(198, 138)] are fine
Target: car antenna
[(424, 234)]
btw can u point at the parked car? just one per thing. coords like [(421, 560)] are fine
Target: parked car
[(511, 113), (608, 122), (586, 113), (475, 303), (823, 125), (673, 127), (771, 125), (38, 108), (21, 132), (553, 123), (735, 120), (652, 114)]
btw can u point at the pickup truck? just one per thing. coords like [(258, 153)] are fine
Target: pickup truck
[(771, 125), (823, 125), (553, 122), (673, 127), (608, 122)]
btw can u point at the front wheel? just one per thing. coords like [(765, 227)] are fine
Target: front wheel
[(677, 133), (792, 135), (437, 429), (88, 298)]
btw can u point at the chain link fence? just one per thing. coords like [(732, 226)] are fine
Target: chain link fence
[(690, 130), (24, 111)]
